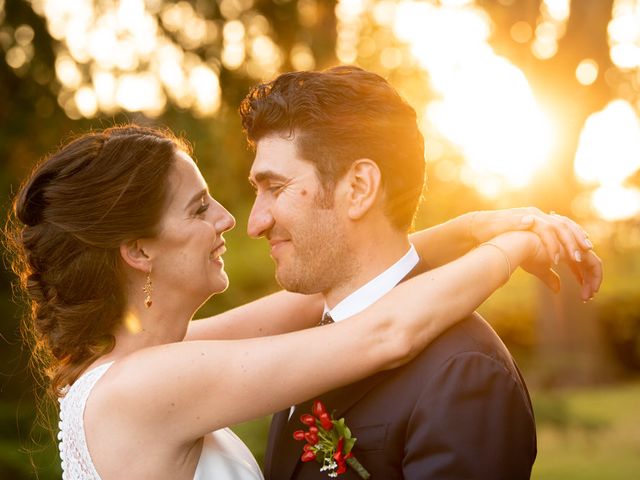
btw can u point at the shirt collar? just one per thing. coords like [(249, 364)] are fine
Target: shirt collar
[(372, 291)]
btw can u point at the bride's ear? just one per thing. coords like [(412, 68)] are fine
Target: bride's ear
[(133, 254)]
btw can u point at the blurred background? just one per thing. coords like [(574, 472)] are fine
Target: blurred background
[(522, 102)]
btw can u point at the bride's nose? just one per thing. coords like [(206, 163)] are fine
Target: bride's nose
[(224, 220)]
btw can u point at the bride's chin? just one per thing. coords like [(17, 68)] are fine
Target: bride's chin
[(221, 285)]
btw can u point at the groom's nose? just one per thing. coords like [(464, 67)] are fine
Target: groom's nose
[(260, 218)]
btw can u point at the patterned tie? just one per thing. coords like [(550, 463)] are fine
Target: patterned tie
[(326, 319)]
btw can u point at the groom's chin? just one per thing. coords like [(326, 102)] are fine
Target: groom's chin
[(286, 283), (291, 283)]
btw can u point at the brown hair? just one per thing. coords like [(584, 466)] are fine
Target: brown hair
[(68, 220), (337, 116)]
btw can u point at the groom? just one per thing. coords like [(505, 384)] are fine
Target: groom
[(338, 173)]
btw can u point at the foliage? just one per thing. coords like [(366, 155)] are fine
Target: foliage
[(33, 121)]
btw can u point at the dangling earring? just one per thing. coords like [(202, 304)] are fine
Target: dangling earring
[(147, 290)]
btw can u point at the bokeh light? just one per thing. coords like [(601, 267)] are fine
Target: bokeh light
[(137, 55), (551, 27), (521, 32), (587, 72), (608, 154), (624, 34), (142, 55), (616, 202)]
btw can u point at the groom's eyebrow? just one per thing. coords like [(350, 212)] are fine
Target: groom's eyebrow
[(266, 175)]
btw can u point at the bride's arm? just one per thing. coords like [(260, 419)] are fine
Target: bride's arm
[(284, 312), (447, 241), (280, 312), (562, 238), (201, 386)]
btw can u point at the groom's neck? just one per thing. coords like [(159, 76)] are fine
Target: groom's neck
[(371, 255)]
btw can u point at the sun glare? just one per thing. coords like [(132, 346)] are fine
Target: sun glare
[(615, 202), (132, 323), (486, 106), (609, 147), (609, 153)]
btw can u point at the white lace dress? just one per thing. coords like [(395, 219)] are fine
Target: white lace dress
[(224, 456)]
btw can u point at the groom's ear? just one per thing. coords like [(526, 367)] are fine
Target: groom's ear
[(134, 255), (364, 184)]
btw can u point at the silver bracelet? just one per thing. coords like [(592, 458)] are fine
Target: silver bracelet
[(504, 254)]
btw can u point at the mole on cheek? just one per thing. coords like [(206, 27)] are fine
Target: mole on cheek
[(303, 192)]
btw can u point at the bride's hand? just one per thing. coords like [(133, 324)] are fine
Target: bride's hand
[(588, 272), (556, 232), (560, 237)]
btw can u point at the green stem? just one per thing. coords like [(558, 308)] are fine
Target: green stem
[(357, 466), (322, 436)]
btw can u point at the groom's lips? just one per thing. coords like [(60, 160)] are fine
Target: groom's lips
[(275, 243)]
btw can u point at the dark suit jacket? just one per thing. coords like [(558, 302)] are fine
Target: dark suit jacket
[(460, 410)]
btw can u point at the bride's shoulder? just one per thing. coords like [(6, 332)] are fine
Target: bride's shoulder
[(156, 389), (115, 395)]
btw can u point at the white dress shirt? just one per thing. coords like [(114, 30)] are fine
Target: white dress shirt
[(372, 291), (375, 289)]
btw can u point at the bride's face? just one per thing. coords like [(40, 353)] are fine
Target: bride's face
[(189, 247)]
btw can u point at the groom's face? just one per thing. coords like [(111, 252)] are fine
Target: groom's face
[(305, 229)]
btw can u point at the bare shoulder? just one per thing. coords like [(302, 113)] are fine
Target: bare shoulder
[(145, 393), (124, 406)]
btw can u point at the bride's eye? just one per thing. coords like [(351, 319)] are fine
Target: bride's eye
[(203, 207)]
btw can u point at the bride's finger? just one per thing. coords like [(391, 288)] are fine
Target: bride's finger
[(567, 237), (593, 271), (549, 277), (581, 237), (549, 239), (576, 270)]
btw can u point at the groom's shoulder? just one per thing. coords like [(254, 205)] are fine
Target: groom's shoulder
[(471, 339)]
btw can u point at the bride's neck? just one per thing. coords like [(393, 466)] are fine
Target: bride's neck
[(147, 329)]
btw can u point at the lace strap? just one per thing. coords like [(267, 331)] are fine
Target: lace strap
[(74, 453)]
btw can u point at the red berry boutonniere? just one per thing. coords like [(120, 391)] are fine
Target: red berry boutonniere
[(329, 442)]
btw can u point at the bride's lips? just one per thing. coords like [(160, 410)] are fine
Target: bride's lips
[(217, 252)]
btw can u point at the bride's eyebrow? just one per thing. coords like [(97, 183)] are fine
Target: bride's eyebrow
[(198, 196)]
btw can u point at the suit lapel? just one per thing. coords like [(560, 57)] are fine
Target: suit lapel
[(278, 424), (287, 450), (283, 451)]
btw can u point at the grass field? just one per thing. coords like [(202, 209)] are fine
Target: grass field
[(586, 434), (592, 434)]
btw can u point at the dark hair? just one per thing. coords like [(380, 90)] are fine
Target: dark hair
[(68, 220), (337, 116)]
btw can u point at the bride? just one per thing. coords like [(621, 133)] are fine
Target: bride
[(117, 242)]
